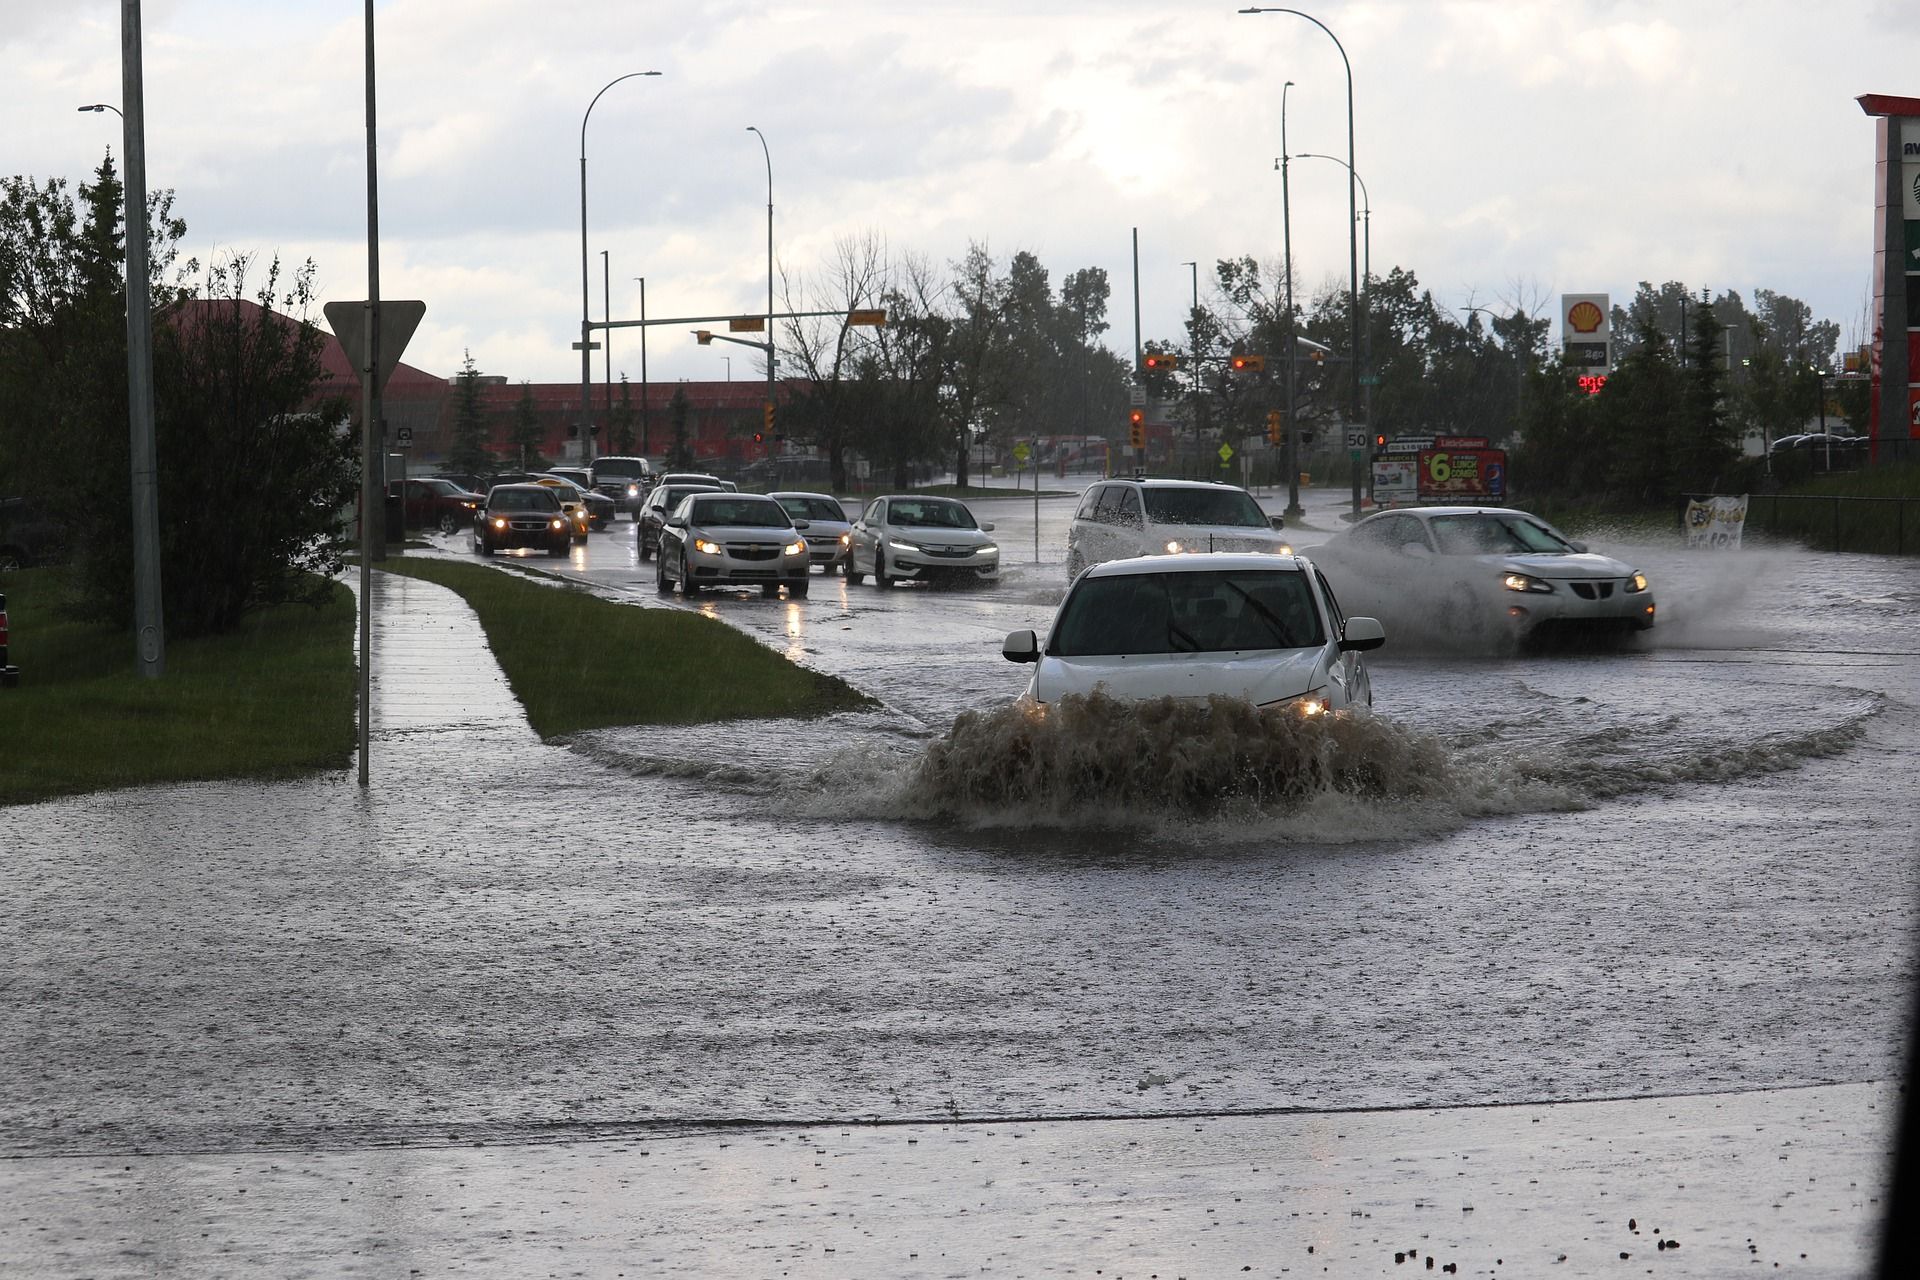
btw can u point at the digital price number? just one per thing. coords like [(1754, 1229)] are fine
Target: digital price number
[(1592, 382)]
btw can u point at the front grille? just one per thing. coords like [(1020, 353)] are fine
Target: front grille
[(526, 525), (1593, 590), (751, 551), (951, 553)]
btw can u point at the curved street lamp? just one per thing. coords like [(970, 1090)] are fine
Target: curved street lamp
[(586, 323), (1353, 217), (103, 106), (1366, 268), (768, 156)]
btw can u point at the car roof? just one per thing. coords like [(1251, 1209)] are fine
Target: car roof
[(731, 496), (919, 497), (543, 488), (1427, 512), (1196, 562), (802, 493), (1163, 482)]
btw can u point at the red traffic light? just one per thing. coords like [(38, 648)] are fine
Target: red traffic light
[(759, 436), (1137, 417), (1247, 363), (1159, 362), (1380, 442)]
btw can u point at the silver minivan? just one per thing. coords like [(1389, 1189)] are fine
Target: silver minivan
[(1122, 518)]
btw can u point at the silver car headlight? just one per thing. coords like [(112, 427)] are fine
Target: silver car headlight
[(709, 548), (989, 549), (1636, 584), (1309, 705), (907, 547), (1281, 549), (1526, 582), (796, 548), (1174, 548)]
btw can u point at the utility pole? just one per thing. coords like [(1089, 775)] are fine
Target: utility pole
[(149, 622), (1140, 454)]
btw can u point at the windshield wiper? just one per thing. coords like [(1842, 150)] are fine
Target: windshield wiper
[(1273, 619)]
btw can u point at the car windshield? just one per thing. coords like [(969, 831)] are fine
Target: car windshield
[(925, 514), (753, 513), (676, 492), (1204, 506), (624, 468), (1220, 611), (524, 500), (1485, 533), (813, 508)]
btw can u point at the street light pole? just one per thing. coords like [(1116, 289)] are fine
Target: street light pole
[(1353, 226), (1193, 350), (768, 155), (1291, 454), (586, 323), (97, 107), (646, 421), (1366, 274), (606, 337), (149, 621)]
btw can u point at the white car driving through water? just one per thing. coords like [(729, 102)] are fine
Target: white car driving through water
[(1263, 628), (1481, 575)]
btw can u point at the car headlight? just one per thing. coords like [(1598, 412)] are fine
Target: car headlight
[(989, 549), (710, 548), (907, 547), (1281, 549), (499, 522), (471, 506), (1309, 704), (633, 491), (1173, 548), (1636, 584), (798, 547), (553, 524), (1525, 582), (845, 538)]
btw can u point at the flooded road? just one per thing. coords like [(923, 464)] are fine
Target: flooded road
[(1683, 867)]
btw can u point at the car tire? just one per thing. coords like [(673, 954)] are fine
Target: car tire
[(641, 537), (853, 575), (660, 582), (480, 547), (447, 523), (880, 569), (797, 590), (768, 590), (688, 587)]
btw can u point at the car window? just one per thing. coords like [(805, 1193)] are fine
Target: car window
[(1221, 506), (1337, 619), (524, 500), (1129, 512), (1223, 611), (1088, 501), (875, 511), (930, 513), (1109, 509), (813, 508), (1484, 533), (755, 513)]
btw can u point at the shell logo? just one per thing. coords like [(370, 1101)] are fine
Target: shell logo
[(1585, 317)]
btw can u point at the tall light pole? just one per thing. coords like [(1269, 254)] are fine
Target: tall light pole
[(97, 107), (646, 420), (149, 620), (1193, 351), (586, 323), (1366, 274), (1353, 224), (1291, 455), (606, 336), (768, 155)]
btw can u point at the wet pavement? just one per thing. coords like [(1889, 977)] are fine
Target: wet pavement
[(1663, 907)]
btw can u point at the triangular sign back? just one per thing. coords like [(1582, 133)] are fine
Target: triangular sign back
[(398, 320)]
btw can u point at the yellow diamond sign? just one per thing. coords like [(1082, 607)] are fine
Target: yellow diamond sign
[(1226, 454)]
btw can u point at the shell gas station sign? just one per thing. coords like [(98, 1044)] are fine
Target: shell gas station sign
[(1586, 338)]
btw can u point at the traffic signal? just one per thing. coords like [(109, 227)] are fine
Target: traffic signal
[(758, 437), (1137, 429), (1247, 363), (1276, 426), (1380, 442), (1157, 362), (769, 415)]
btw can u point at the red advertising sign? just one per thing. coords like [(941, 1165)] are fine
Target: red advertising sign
[(1463, 475), (1459, 442)]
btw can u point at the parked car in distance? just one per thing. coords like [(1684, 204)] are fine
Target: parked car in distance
[(1121, 518), (715, 538), (30, 534), (623, 477), (433, 503), (661, 500), (906, 537), (601, 510), (1263, 628), (1821, 451), (1483, 576), (522, 515), (828, 529), (461, 480)]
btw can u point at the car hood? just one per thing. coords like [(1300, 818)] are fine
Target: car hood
[(1261, 677), (743, 533), (1215, 537), (1584, 564), (954, 538)]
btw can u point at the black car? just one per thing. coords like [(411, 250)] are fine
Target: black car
[(522, 515), (30, 535), (661, 501)]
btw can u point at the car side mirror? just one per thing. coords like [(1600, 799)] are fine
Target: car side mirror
[(1024, 646), (1579, 547), (1278, 522), (803, 524), (987, 527), (678, 522), (1361, 634)]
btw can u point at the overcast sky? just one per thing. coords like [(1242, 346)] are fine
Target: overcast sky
[(1513, 150)]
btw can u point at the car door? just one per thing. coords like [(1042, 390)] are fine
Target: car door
[(1129, 524), (1349, 671), (866, 533)]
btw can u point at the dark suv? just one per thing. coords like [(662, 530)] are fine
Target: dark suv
[(29, 535)]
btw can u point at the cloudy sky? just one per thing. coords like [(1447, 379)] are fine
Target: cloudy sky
[(1513, 150)]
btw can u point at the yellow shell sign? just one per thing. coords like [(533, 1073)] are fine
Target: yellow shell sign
[(1585, 317)]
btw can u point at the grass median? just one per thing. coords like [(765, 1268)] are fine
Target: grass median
[(578, 662), (272, 699)]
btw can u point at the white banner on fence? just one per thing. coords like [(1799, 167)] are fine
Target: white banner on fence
[(1716, 522)]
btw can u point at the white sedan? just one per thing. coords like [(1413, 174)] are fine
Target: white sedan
[(1481, 576), (1263, 628), (911, 537)]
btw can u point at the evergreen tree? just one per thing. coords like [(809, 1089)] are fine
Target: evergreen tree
[(469, 454), (681, 456), (622, 425), (527, 435)]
